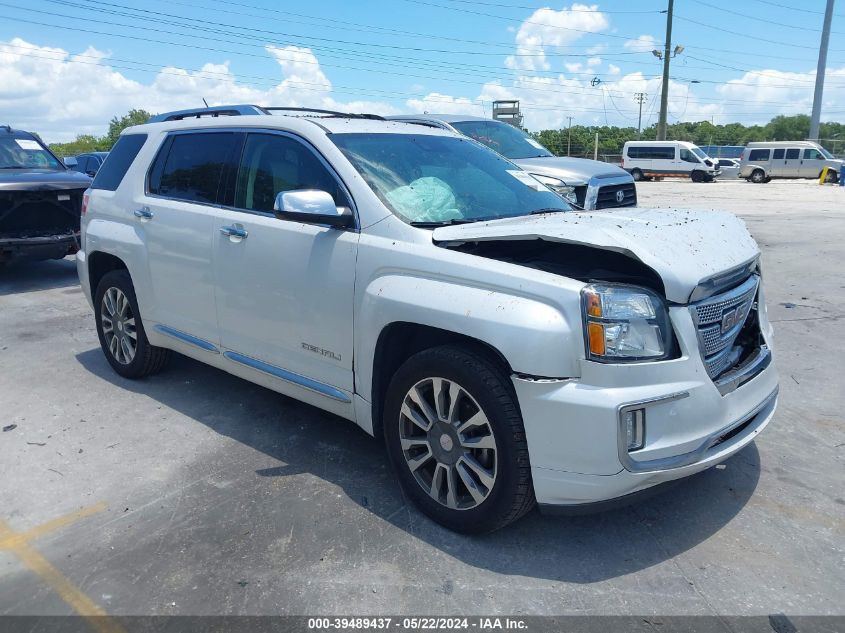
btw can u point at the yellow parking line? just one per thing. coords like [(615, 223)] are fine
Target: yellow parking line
[(18, 543)]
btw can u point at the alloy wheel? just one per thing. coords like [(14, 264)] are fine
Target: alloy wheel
[(118, 323), (448, 443)]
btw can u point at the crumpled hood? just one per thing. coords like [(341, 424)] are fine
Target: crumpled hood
[(573, 171), (683, 246), (42, 179)]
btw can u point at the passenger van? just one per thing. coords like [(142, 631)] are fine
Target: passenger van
[(645, 160), (762, 161)]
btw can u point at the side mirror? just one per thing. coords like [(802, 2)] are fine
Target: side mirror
[(313, 207)]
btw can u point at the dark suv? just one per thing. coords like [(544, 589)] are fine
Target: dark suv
[(40, 200)]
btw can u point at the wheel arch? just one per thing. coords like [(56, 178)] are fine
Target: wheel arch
[(99, 264), (400, 340)]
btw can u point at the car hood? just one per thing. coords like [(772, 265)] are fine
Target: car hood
[(41, 179), (684, 247), (573, 171)]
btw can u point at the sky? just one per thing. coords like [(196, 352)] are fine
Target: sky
[(68, 66)]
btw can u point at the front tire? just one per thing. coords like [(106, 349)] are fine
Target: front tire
[(697, 176), (456, 440), (832, 176), (121, 331)]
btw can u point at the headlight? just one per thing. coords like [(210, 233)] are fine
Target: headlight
[(559, 187), (625, 323)]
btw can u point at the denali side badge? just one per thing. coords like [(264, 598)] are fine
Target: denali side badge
[(322, 352)]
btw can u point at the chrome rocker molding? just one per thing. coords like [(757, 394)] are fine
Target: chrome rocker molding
[(698, 454), (289, 376), (187, 338)]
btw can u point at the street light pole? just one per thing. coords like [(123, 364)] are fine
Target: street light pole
[(664, 94), (820, 70), (569, 136)]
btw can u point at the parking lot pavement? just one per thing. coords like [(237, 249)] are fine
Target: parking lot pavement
[(195, 492)]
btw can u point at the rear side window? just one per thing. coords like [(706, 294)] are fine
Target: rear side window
[(758, 155), (190, 166), (118, 162), (651, 152)]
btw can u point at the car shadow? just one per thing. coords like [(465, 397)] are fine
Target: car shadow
[(19, 277), (581, 549)]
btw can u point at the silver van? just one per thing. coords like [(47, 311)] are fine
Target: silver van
[(762, 161)]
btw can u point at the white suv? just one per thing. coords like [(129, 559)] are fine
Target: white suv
[(420, 285)]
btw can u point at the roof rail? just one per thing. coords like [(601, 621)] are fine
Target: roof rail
[(215, 111), (329, 113)]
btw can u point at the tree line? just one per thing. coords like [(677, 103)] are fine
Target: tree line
[(611, 138)]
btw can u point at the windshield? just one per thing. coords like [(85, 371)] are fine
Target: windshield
[(825, 153), (25, 153), (444, 179), (698, 152), (509, 141)]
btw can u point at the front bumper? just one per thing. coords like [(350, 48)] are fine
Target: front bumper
[(578, 453), (38, 247)]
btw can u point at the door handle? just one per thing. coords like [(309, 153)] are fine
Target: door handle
[(234, 231), (144, 213)]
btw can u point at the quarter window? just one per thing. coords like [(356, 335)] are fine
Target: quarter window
[(192, 166), (758, 155), (119, 160), (271, 164)]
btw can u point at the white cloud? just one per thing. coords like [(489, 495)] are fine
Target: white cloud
[(643, 44), (547, 27), (436, 103), (49, 91), (613, 69)]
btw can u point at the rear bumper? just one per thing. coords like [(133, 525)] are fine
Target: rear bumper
[(38, 247)]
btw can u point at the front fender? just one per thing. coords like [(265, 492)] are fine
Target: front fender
[(534, 337)]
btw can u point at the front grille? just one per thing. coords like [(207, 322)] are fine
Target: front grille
[(581, 195), (608, 196), (720, 320)]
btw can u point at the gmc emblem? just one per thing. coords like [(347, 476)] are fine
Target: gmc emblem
[(733, 316)]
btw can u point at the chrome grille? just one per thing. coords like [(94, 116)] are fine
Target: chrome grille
[(719, 320)]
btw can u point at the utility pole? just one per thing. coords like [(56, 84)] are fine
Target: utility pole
[(640, 97), (569, 136), (664, 94), (820, 70)]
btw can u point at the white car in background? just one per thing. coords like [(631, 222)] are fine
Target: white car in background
[(729, 167)]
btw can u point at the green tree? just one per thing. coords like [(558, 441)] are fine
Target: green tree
[(118, 124)]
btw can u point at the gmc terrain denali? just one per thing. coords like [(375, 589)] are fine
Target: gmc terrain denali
[(411, 280)]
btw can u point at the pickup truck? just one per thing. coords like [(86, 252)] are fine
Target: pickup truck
[(40, 200), (508, 349)]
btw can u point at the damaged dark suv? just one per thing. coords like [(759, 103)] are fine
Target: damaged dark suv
[(40, 200)]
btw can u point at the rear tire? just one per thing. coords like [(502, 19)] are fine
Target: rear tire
[(758, 176), (456, 440), (121, 330), (637, 175)]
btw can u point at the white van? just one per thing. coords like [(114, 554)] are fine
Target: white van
[(762, 161), (645, 160)]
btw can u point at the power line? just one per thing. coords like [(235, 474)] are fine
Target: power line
[(746, 35), (759, 19), (535, 7)]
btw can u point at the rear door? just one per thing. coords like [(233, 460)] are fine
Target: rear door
[(791, 163), (176, 218), (778, 162)]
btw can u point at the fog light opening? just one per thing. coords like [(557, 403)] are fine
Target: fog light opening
[(635, 428)]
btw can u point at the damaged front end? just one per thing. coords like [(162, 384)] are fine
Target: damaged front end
[(670, 254), (38, 224)]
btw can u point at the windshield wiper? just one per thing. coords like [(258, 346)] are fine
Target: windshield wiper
[(434, 224), (549, 210)]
